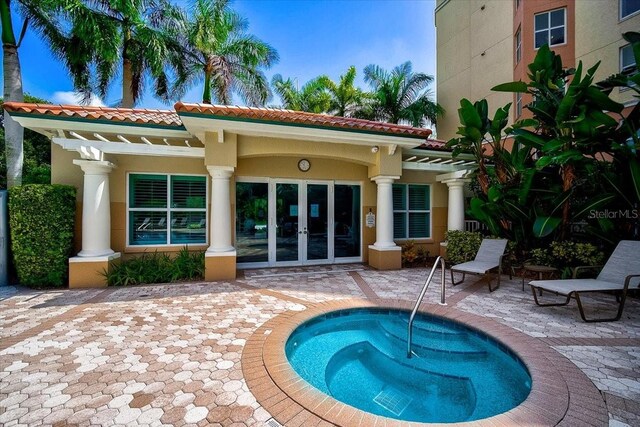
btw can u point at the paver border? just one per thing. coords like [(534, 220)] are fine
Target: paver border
[(294, 402)]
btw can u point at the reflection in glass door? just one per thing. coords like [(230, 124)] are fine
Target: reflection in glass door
[(287, 221), (346, 239), (317, 214), (251, 221)]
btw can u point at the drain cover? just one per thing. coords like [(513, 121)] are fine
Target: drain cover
[(273, 423), (393, 400)]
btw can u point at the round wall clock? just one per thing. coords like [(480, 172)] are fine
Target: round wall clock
[(304, 165)]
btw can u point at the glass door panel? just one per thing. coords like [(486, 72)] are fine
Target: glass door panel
[(252, 222), (346, 238), (287, 221), (317, 222)]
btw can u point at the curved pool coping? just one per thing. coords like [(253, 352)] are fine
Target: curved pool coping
[(294, 402)]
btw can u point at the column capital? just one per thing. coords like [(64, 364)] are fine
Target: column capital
[(94, 167), (384, 179), (456, 182), (220, 171)]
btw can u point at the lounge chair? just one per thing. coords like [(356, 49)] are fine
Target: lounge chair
[(621, 269), (489, 257)]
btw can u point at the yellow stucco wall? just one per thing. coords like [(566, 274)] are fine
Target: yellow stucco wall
[(439, 197), (258, 157), (599, 38), (474, 53)]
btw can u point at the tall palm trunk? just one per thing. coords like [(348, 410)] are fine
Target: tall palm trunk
[(13, 132), (127, 78), (206, 94), (127, 73)]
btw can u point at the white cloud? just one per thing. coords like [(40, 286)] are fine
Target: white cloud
[(74, 98)]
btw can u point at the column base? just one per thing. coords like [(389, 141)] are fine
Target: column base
[(385, 258), (88, 272), (219, 266)]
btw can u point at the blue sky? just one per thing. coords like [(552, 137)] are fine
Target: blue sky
[(312, 37)]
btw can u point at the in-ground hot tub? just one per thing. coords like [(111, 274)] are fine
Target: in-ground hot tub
[(358, 356)]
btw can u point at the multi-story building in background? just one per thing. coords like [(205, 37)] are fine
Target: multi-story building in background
[(481, 43)]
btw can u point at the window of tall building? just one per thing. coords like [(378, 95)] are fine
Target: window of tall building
[(629, 7), (518, 105), (518, 46), (550, 28), (627, 60)]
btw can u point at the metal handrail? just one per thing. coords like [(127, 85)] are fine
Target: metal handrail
[(419, 301)]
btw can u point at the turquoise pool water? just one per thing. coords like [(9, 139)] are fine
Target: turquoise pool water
[(358, 356)]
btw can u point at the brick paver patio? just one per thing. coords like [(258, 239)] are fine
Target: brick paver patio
[(171, 354)]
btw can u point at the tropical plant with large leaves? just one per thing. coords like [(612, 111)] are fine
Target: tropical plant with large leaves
[(576, 124), (400, 96), (312, 97), (577, 156), (136, 39), (218, 50)]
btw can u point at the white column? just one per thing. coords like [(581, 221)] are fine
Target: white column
[(220, 227), (455, 213), (96, 208), (384, 221)]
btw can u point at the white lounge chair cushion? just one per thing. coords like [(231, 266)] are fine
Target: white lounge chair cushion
[(565, 287), (487, 258), (479, 267)]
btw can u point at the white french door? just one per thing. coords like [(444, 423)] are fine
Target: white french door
[(301, 222), (302, 227)]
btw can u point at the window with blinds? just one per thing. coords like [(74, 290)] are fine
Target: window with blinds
[(167, 209), (411, 211)]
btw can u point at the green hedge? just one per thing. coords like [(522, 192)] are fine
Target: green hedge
[(41, 220)]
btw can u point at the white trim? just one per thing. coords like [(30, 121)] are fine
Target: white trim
[(135, 149), (82, 259), (197, 125), (40, 123), (167, 211), (624, 18)]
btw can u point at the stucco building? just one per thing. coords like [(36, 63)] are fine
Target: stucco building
[(253, 187), (482, 43)]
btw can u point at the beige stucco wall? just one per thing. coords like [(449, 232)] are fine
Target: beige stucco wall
[(474, 53), (599, 38), (259, 157), (439, 197)]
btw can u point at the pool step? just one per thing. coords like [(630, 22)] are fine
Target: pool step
[(456, 347), (363, 376)]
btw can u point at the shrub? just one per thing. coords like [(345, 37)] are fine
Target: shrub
[(41, 220), (157, 267), (462, 246), (566, 255), (413, 254)]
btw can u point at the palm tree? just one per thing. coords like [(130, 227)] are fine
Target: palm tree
[(139, 37), (312, 97), (400, 96), (38, 15), (218, 50), (346, 99)]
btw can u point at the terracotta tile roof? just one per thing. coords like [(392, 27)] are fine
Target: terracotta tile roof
[(126, 115), (434, 144), (302, 118)]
